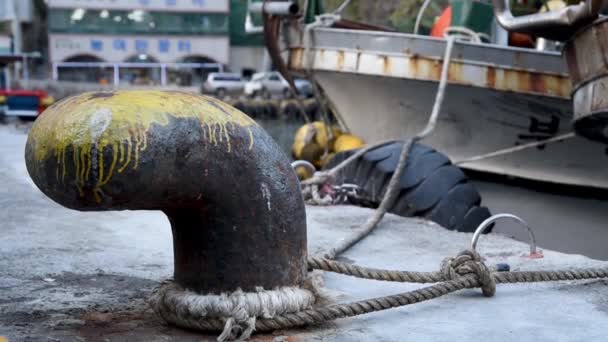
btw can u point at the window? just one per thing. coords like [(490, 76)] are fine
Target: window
[(136, 21), (225, 77)]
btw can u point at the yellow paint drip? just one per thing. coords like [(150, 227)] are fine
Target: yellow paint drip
[(119, 122)]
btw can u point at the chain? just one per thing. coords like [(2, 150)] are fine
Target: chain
[(328, 194)]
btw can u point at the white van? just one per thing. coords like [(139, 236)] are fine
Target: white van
[(221, 84)]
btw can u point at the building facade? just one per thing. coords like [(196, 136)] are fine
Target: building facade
[(157, 41)]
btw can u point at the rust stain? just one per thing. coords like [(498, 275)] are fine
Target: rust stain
[(528, 82), (417, 67), (538, 82), (123, 325), (321, 54), (491, 77), (565, 86), (386, 65), (340, 59), (455, 73), (523, 80), (414, 65), (436, 70)]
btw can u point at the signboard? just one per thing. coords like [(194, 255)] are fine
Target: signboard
[(150, 5), (165, 49)]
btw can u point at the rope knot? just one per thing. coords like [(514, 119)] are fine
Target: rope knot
[(238, 327), (469, 262)]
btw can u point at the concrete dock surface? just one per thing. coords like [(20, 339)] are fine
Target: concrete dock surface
[(84, 276)]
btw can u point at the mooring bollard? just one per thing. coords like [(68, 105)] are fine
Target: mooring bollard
[(230, 194)]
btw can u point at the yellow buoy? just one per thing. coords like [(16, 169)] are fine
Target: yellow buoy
[(312, 141), (313, 133), (347, 142)]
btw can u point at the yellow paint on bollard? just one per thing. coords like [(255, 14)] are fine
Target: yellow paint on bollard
[(111, 120)]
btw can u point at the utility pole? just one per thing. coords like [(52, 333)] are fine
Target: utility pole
[(15, 26), (16, 32)]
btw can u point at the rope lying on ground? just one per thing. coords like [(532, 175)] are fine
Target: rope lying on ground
[(466, 270), (435, 277)]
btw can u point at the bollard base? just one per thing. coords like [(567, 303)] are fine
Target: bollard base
[(234, 314)]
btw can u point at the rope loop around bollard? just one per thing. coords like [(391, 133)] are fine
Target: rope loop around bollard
[(486, 224)]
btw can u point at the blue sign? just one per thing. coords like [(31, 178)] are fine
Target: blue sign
[(184, 45), (164, 45), (200, 3), (170, 2), (119, 45), (96, 45), (141, 45)]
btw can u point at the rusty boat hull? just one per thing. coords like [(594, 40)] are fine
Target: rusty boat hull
[(383, 86)]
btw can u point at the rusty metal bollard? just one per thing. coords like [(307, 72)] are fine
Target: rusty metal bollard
[(231, 196)]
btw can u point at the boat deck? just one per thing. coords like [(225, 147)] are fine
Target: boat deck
[(74, 276)]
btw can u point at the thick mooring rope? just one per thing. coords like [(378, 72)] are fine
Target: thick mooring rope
[(236, 311), (238, 314), (321, 315), (374, 273), (435, 277), (466, 270)]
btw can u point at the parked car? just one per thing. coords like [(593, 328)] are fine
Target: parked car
[(24, 103), (271, 84), (303, 87), (221, 84)]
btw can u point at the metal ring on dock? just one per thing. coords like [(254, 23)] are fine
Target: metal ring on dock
[(485, 224)]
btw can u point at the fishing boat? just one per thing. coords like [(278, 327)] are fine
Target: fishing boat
[(497, 97)]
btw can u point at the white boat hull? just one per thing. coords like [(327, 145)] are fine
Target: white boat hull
[(474, 121), (383, 85)]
